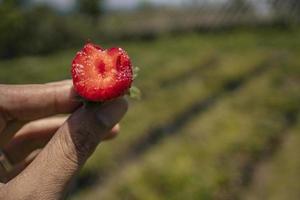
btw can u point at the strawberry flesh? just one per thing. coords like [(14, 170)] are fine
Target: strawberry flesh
[(101, 75)]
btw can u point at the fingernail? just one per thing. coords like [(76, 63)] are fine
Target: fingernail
[(112, 112)]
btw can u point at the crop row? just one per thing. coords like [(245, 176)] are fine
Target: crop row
[(210, 156)]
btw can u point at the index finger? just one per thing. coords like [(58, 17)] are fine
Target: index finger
[(30, 102)]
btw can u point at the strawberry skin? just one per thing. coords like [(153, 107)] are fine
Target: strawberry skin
[(101, 75)]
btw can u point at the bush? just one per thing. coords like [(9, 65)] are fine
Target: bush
[(41, 30)]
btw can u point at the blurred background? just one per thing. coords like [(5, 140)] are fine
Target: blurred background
[(219, 116)]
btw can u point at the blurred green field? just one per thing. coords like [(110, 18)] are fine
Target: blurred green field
[(233, 98), (278, 177)]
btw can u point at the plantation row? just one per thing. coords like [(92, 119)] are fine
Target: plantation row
[(278, 177), (212, 156), (163, 105), (222, 67)]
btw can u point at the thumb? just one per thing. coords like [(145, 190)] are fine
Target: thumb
[(49, 174)]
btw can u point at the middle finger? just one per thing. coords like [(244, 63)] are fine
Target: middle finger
[(33, 135)]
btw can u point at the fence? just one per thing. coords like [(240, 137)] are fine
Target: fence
[(230, 12)]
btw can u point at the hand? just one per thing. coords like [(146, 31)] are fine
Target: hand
[(46, 153)]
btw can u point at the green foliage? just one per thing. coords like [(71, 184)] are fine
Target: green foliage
[(286, 11), (205, 159), (12, 23), (90, 8), (240, 6), (135, 93), (145, 5), (12, 3), (41, 30)]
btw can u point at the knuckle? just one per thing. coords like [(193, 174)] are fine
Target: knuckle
[(85, 142), (78, 146), (68, 151)]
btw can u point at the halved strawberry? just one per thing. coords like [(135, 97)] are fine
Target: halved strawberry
[(100, 75)]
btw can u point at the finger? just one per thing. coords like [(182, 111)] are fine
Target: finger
[(68, 150), (30, 102), (37, 127), (10, 130), (113, 133), (36, 135), (5, 177), (32, 136), (29, 141)]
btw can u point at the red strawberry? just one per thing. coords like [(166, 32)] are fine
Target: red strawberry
[(100, 75)]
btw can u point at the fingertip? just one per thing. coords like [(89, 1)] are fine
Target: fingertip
[(116, 129), (113, 133), (110, 113), (67, 97)]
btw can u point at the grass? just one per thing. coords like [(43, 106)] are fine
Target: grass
[(206, 158), (278, 177)]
